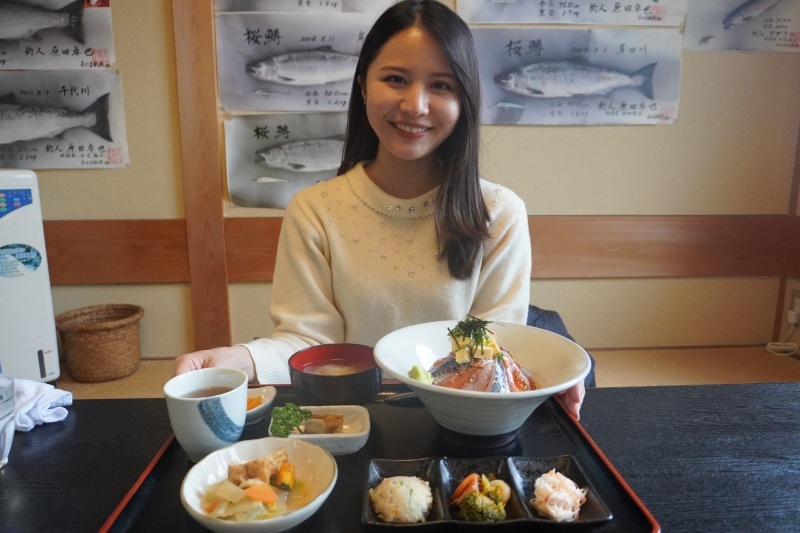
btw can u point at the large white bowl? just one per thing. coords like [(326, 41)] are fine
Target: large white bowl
[(555, 362), (314, 467)]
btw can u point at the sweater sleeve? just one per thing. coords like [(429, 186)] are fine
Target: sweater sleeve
[(302, 306), (503, 291)]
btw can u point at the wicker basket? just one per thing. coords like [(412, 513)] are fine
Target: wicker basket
[(101, 342)]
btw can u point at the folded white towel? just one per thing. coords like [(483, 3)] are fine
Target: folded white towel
[(37, 403)]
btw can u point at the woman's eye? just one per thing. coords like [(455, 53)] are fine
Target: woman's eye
[(441, 86), (395, 79)]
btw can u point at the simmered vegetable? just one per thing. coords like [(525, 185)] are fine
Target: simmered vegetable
[(481, 500), (284, 477)]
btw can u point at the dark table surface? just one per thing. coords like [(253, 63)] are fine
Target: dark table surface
[(700, 458)]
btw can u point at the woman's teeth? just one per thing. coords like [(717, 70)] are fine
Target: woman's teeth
[(409, 129)]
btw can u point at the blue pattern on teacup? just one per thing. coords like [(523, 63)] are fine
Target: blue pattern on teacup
[(213, 414)]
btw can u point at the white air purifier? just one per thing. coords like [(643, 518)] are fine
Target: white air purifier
[(28, 342)]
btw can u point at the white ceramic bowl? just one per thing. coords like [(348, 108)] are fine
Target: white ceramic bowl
[(355, 430), (555, 363), (256, 414), (314, 466)]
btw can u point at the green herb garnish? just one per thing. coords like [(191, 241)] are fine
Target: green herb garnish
[(473, 329), (287, 418)]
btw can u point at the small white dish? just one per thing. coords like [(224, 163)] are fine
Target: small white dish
[(355, 430), (314, 466), (256, 414)]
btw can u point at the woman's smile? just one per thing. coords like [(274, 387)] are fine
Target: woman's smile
[(412, 130)]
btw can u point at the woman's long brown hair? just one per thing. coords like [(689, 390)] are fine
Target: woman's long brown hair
[(461, 216)]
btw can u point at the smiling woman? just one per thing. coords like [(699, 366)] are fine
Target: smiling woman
[(409, 207)]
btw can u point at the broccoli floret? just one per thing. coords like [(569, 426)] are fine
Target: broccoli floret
[(478, 507), (495, 493)]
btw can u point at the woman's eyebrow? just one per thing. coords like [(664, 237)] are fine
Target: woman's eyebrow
[(404, 70)]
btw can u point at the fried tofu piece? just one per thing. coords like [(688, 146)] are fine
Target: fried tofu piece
[(334, 422), (261, 468), (314, 426)]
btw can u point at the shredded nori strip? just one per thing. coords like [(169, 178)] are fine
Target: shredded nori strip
[(473, 329)]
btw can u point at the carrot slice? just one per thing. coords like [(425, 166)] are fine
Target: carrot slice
[(262, 492), (467, 486), (210, 506), (254, 401)]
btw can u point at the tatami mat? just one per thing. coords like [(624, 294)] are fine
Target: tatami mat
[(147, 382), (692, 366), (615, 368)]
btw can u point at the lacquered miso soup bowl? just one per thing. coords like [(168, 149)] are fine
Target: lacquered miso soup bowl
[(335, 374), (475, 417)]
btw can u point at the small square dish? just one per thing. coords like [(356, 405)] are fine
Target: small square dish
[(261, 398), (425, 469), (525, 471), (354, 434), (453, 471)]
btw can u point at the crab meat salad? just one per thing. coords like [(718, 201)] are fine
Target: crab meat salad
[(476, 362), (254, 490), (402, 499), (557, 497)]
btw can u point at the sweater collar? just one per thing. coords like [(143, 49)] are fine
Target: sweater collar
[(385, 204)]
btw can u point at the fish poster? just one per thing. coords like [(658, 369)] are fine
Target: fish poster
[(612, 13), (55, 34), (288, 61), (270, 157), (558, 76), (62, 119), (741, 25), (304, 6)]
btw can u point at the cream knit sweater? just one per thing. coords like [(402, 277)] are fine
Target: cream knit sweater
[(354, 264)]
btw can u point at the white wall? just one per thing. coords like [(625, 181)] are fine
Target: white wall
[(732, 151)]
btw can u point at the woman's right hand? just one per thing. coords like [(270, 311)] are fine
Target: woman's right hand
[(228, 357)]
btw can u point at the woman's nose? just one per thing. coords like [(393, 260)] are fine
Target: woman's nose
[(415, 101)]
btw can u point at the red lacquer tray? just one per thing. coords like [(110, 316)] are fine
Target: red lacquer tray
[(405, 431)]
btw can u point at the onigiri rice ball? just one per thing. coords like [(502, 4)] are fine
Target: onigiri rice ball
[(402, 499)]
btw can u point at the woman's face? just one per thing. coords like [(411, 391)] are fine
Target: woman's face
[(412, 96)]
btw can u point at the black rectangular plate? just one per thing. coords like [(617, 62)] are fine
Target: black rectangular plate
[(445, 474)]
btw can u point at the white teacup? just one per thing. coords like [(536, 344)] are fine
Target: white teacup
[(207, 409)]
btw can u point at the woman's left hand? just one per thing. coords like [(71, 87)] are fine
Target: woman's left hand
[(572, 399)]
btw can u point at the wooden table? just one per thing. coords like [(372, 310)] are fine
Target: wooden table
[(701, 458), (705, 458)]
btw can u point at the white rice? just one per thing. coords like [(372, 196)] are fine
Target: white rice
[(402, 499)]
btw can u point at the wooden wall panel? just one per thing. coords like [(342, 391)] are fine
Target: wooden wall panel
[(658, 246), (155, 251), (251, 247), (202, 170), (116, 251), (793, 249)]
